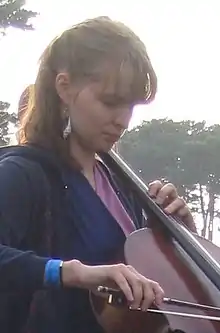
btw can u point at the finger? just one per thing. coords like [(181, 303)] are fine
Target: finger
[(183, 212), (167, 191), (158, 292), (186, 217), (148, 296), (154, 188), (136, 286), (167, 201), (137, 289), (176, 206), (124, 286)]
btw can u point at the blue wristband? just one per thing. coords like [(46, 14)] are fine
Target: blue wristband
[(52, 273)]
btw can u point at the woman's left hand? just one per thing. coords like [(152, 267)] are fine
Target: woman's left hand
[(167, 197)]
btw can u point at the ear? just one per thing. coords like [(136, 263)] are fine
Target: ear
[(64, 87)]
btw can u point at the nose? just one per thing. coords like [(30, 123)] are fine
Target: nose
[(123, 117)]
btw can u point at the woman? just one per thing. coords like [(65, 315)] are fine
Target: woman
[(66, 202)]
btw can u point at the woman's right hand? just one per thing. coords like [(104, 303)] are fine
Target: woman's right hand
[(139, 291)]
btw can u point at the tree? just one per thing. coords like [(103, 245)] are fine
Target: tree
[(12, 14), (185, 153), (5, 120), (203, 157)]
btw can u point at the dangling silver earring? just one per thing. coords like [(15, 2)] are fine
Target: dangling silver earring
[(67, 125)]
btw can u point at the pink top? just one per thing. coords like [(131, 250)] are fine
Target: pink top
[(111, 200)]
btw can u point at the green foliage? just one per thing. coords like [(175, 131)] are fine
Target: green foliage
[(13, 14), (5, 120), (185, 153)]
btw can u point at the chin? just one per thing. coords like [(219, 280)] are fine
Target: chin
[(106, 147)]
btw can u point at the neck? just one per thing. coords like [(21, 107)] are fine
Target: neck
[(83, 156)]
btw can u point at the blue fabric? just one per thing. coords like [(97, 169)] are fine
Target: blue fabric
[(57, 222), (52, 273), (98, 237)]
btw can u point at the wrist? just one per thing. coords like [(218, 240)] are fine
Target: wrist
[(70, 273)]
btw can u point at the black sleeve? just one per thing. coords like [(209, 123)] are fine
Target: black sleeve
[(15, 203), (18, 270)]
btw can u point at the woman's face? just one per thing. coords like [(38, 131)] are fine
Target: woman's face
[(100, 112)]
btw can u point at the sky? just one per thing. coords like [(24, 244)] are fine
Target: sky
[(181, 37)]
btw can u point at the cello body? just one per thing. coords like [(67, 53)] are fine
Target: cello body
[(186, 266), (157, 257)]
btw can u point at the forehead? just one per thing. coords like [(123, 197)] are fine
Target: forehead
[(123, 83)]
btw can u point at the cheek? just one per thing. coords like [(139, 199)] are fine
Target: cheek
[(88, 122), (93, 120), (90, 114), (98, 117)]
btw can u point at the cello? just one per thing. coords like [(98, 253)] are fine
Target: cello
[(186, 265)]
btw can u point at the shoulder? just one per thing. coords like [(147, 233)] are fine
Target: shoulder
[(15, 167), (12, 170), (19, 177)]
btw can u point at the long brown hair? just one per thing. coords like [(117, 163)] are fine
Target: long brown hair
[(81, 51)]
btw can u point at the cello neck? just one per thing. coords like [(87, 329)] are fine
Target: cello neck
[(177, 231)]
